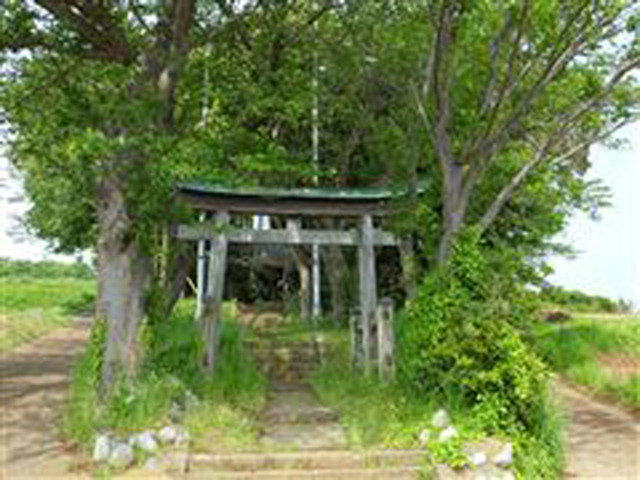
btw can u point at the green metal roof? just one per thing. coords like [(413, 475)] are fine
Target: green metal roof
[(324, 193)]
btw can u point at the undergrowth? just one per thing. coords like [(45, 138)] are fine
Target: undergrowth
[(171, 377), (459, 347)]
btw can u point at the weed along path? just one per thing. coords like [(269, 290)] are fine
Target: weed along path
[(603, 442), (33, 384)]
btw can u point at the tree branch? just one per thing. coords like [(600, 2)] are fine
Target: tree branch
[(95, 23), (508, 190)]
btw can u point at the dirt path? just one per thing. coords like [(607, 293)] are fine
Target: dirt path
[(603, 442), (33, 383)]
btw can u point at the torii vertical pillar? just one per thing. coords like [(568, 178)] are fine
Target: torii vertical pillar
[(212, 312), (368, 294)]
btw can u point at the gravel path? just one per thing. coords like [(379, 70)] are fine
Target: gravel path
[(603, 442), (33, 384)]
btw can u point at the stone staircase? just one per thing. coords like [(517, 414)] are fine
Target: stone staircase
[(319, 464), (286, 361), (300, 438)]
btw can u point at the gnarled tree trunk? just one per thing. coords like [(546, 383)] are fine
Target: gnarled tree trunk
[(124, 272)]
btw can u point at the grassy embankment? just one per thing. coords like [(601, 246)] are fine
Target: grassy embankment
[(37, 297), (598, 351)]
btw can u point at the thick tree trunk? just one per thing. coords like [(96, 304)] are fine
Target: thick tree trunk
[(124, 270)]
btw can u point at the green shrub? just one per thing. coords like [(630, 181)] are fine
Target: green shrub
[(460, 341), (458, 338)]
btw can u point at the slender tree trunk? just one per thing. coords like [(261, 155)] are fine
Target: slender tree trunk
[(454, 208), (124, 270), (409, 267), (304, 275)]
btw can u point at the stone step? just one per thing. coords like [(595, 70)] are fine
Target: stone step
[(314, 461), (401, 473)]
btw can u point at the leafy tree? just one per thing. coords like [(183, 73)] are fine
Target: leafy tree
[(515, 88), (127, 115)]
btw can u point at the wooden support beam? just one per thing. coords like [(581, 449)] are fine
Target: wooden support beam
[(215, 289), (367, 283), (285, 237)]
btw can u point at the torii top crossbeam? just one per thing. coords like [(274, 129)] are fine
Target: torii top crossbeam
[(342, 202)]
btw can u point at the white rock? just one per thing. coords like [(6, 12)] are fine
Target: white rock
[(447, 434), (168, 434), (504, 458), (101, 448), (423, 437), (440, 419), (121, 455), (477, 459), (145, 441)]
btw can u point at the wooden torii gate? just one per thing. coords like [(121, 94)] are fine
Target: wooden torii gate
[(214, 233)]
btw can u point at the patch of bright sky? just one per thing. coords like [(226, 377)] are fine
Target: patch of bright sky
[(608, 260)]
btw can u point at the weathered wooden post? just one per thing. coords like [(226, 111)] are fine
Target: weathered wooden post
[(215, 288), (201, 269), (384, 320), (367, 274), (355, 329)]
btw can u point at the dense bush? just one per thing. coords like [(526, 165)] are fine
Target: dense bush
[(460, 340), (46, 269)]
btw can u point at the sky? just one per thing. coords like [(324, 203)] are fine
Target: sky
[(608, 260)]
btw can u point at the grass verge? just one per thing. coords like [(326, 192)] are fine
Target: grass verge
[(599, 352), (32, 307)]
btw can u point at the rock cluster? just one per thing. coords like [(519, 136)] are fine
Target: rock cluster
[(120, 453), (486, 459)]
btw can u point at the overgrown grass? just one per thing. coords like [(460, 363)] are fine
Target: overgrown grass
[(31, 307), (377, 414), (170, 377), (575, 349)]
